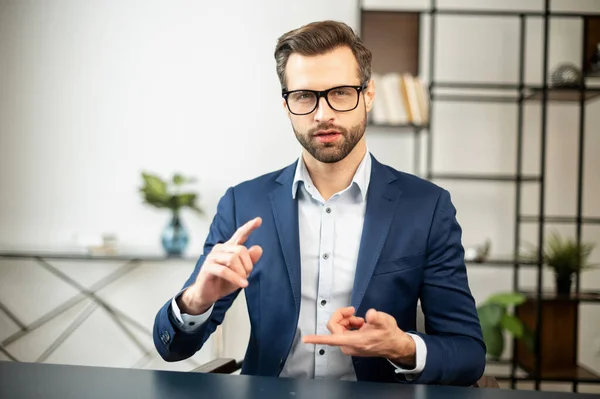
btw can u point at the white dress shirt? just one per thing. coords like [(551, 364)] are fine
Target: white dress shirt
[(330, 233)]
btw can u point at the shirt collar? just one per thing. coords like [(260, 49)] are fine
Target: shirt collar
[(361, 178)]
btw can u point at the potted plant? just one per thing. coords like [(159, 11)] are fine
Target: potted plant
[(566, 257), (496, 319), (171, 194)]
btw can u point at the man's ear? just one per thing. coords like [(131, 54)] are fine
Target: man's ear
[(285, 107), (369, 95)]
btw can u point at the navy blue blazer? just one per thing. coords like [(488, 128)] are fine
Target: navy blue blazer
[(411, 248)]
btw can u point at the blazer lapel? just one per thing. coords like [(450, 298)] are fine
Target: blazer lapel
[(285, 214), (382, 200)]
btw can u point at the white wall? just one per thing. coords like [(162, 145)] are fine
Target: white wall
[(94, 92)]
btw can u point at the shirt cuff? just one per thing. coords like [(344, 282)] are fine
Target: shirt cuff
[(421, 357), (187, 322)]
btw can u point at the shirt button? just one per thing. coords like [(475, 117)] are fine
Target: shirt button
[(323, 302), (328, 210), (322, 352), (325, 256)]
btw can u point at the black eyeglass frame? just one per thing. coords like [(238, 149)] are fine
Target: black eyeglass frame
[(323, 93)]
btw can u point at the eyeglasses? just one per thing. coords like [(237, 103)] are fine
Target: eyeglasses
[(340, 98)]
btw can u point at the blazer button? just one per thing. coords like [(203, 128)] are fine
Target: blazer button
[(165, 337)]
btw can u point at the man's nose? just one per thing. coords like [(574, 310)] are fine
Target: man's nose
[(324, 111)]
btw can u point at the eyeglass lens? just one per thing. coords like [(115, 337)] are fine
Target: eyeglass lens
[(340, 99)]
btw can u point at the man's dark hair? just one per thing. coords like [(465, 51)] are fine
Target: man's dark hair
[(318, 38)]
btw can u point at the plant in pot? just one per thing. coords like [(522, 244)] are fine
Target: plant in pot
[(172, 195), (566, 257), (497, 319)]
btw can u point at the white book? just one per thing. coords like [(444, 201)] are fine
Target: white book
[(412, 98), (394, 99), (378, 111)]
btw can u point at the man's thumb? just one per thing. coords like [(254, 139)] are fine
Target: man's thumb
[(255, 253), (373, 317)]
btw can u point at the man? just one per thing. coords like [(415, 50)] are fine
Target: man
[(334, 251)]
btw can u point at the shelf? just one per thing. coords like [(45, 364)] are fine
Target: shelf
[(501, 262), (475, 98), (558, 219), (482, 177), (409, 126), (475, 85), (576, 374), (553, 94), (509, 92), (510, 13), (559, 312), (131, 257), (563, 95), (501, 371), (583, 296), (484, 13)]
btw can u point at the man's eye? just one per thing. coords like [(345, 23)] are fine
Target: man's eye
[(341, 93)]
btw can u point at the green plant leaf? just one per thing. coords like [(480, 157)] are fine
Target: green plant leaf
[(564, 255), (155, 185), (494, 341), (512, 324), (528, 338), (186, 199), (490, 314), (506, 299), (178, 179)]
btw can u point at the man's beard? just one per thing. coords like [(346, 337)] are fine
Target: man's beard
[(331, 152)]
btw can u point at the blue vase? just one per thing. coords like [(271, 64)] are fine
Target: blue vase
[(175, 237)]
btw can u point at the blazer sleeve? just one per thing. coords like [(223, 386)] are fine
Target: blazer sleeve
[(173, 343), (455, 348)]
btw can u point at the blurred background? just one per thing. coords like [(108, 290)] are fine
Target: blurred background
[(116, 116)]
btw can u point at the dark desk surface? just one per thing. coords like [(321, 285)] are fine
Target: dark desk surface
[(35, 380)]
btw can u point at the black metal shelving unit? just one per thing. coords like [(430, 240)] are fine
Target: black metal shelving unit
[(519, 93)]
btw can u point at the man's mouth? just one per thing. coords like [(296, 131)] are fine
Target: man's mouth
[(327, 133), (326, 136)]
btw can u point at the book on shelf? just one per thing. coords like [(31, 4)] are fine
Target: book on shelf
[(400, 99)]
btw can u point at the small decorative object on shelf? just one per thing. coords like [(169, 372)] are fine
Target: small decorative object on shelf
[(170, 195), (566, 76), (496, 319), (595, 61), (478, 253), (566, 257), (109, 245)]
